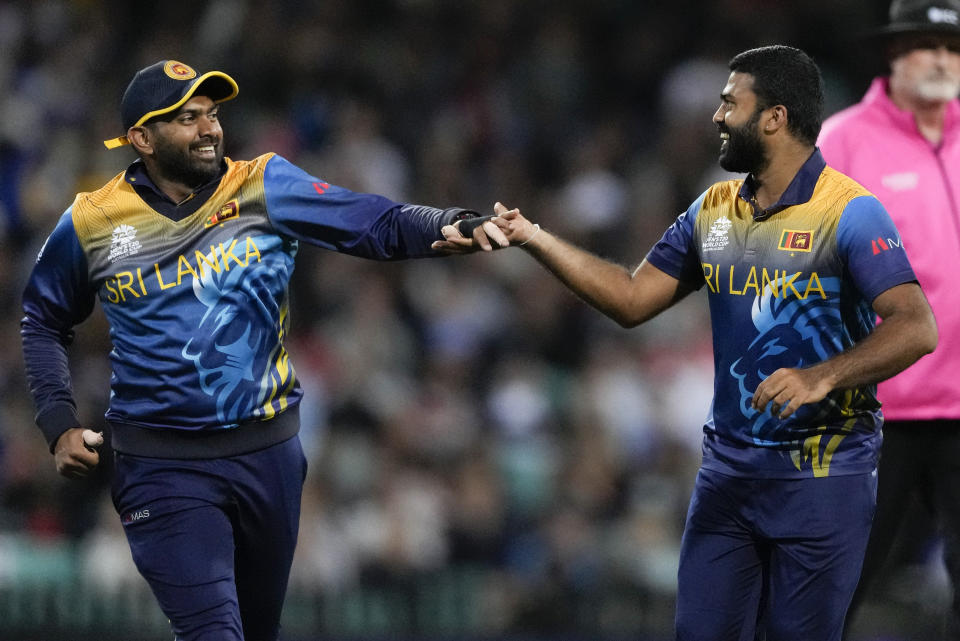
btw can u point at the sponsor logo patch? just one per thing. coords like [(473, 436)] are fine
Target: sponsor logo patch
[(942, 16), (881, 244), (136, 515), (904, 181)]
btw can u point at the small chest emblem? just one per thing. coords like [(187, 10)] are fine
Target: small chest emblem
[(123, 243), (718, 237), (904, 181), (796, 241), (228, 211)]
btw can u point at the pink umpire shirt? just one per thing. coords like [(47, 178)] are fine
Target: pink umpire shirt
[(879, 146)]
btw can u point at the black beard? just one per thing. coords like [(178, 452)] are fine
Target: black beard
[(176, 164), (744, 151)]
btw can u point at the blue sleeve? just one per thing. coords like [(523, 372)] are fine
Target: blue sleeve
[(366, 225), (674, 254), (57, 297), (870, 244)]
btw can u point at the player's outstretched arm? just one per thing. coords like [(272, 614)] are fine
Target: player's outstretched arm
[(629, 298), (908, 331)]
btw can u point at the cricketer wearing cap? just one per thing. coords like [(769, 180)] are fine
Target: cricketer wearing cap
[(795, 259), (190, 255)]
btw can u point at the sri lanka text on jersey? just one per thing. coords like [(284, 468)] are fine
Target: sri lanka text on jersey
[(133, 284), (780, 282)]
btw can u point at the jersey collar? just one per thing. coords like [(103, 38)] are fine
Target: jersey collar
[(137, 176), (798, 192)]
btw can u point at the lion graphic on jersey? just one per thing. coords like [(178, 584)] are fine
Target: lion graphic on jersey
[(790, 332), (228, 351)]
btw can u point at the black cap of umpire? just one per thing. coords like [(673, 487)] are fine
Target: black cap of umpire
[(923, 16)]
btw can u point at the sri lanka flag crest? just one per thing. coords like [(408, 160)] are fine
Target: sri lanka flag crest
[(796, 241)]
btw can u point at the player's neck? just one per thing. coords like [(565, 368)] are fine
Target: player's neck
[(172, 189), (784, 164)]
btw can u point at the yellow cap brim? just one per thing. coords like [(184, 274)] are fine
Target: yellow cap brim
[(120, 141), (113, 143)]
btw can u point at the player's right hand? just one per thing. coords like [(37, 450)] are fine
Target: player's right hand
[(74, 458), (514, 225)]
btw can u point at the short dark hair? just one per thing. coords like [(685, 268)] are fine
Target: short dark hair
[(786, 76)]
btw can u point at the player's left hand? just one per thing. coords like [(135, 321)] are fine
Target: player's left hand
[(485, 237), (789, 388)]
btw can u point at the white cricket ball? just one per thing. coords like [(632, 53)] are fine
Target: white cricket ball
[(92, 439)]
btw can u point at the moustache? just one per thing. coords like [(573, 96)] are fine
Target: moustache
[(206, 142)]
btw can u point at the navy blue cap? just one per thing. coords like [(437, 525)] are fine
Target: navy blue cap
[(164, 87)]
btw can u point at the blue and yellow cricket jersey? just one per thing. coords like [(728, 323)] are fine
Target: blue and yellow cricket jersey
[(197, 307), (788, 287)]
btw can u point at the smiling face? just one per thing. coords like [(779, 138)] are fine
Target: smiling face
[(188, 148), (738, 118), (926, 69)]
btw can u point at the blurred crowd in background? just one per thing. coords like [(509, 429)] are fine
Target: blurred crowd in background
[(459, 411)]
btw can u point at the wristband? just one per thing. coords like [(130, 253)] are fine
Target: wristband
[(535, 232), (467, 225)]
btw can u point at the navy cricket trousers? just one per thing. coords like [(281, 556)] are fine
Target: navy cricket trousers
[(214, 538), (777, 559)]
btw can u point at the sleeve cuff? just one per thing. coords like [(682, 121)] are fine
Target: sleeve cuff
[(55, 421), (454, 214)]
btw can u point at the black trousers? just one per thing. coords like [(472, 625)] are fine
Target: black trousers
[(920, 460)]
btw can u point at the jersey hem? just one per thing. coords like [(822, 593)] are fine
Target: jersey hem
[(175, 443), (793, 473)]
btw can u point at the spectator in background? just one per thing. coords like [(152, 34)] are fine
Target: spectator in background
[(902, 142)]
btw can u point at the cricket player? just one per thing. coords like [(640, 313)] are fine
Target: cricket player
[(782, 505), (190, 254)]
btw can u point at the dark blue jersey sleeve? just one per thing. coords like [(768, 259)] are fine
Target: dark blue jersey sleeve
[(869, 242), (57, 297), (675, 254), (366, 225)]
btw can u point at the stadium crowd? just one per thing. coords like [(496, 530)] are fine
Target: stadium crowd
[(461, 411)]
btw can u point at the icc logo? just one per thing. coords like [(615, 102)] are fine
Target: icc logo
[(178, 71), (947, 16)]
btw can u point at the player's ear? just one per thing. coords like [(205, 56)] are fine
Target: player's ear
[(775, 118), (141, 138)]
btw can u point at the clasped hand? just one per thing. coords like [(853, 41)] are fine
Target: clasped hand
[(507, 227)]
